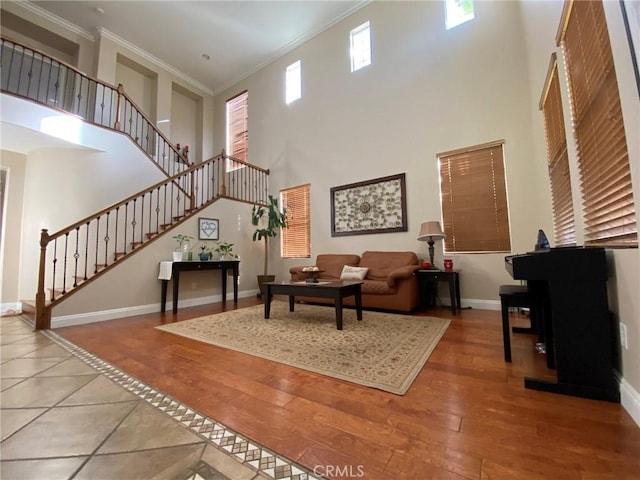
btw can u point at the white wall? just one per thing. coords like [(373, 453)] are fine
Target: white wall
[(428, 90), (14, 164), (64, 184), (139, 85), (184, 121)]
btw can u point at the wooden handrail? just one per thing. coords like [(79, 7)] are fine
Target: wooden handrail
[(76, 255), (93, 103)]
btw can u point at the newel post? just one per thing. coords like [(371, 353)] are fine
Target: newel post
[(43, 317), (120, 91), (223, 176)]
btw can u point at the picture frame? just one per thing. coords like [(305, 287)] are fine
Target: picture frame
[(208, 229), (372, 206)]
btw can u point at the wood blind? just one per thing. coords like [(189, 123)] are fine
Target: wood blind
[(296, 240), (564, 225), (598, 128), (238, 126), (474, 200)]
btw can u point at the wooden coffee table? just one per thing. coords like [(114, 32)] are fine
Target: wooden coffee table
[(335, 290)]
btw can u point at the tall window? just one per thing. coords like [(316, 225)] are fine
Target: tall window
[(238, 126), (564, 225), (474, 199), (293, 82), (458, 12), (360, 47), (598, 128), (296, 240)]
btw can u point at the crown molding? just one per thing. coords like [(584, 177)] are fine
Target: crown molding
[(103, 32), (72, 27), (293, 45)]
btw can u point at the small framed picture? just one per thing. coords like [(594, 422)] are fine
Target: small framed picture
[(208, 228)]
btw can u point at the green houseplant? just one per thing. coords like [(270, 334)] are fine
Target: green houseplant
[(269, 220), (184, 247), (225, 250)]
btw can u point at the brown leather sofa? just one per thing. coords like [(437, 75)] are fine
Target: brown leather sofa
[(390, 283)]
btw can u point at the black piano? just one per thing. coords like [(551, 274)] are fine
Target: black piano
[(570, 284)]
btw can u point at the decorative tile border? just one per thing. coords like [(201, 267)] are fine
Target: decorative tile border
[(244, 451)]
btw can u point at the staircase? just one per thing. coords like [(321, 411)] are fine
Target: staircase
[(76, 255)]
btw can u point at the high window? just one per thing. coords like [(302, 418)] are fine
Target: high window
[(598, 128), (458, 12), (360, 47), (238, 126), (296, 240), (474, 200), (293, 82), (564, 225)]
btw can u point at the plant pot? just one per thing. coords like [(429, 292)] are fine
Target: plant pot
[(262, 279), (177, 256)]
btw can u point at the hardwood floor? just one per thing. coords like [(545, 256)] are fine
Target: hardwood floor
[(466, 416)]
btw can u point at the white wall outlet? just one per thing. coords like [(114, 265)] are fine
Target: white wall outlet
[(623, 336)]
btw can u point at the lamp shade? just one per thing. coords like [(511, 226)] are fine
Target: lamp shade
[(430, 231)]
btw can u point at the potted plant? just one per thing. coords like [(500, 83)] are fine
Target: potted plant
[(224, 250), (184, 247), (205, 252), (275, 220)]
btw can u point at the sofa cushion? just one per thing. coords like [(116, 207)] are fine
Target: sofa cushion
[(353, 273), (381, 264), (332, 263), (377, 287)]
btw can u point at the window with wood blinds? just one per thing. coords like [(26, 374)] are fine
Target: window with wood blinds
[(598, 128), (296, 239), (238, 126), (474, 200), (564, 225)]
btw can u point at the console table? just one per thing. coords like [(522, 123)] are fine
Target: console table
[(432, 277), (222, 265)]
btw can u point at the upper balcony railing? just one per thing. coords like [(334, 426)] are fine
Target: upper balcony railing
[(35, 76)]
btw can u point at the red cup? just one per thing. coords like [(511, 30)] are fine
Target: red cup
[(426, 265), (448, 264)]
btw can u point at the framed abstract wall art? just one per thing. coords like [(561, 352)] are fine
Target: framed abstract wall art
[(372, 206)]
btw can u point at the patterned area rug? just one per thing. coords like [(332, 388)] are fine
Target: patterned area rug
[(384, 350)]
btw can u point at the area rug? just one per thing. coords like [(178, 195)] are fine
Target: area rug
[(384, 350)]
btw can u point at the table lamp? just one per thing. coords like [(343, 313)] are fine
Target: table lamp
[(430, 232)]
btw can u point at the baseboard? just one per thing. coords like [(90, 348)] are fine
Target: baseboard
[(102, 316), (474, 303), (7, 309), (630, 400)]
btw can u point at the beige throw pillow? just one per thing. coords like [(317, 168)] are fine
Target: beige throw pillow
[(353, 273)]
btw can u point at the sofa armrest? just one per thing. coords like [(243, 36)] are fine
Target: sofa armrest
[(296, 273), (401, 273), (296, 269)]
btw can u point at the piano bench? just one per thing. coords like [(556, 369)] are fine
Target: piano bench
[(515, 296)]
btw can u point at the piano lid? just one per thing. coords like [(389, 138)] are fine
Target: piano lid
[(564, 263)]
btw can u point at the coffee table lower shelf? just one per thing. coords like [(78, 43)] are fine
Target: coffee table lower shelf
[(334, 290)]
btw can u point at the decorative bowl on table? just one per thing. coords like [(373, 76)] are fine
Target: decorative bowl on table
[(311, 274)]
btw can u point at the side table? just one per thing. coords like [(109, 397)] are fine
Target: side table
[(432, 277)]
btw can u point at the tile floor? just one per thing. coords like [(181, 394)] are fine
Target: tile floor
[(66, 414)]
